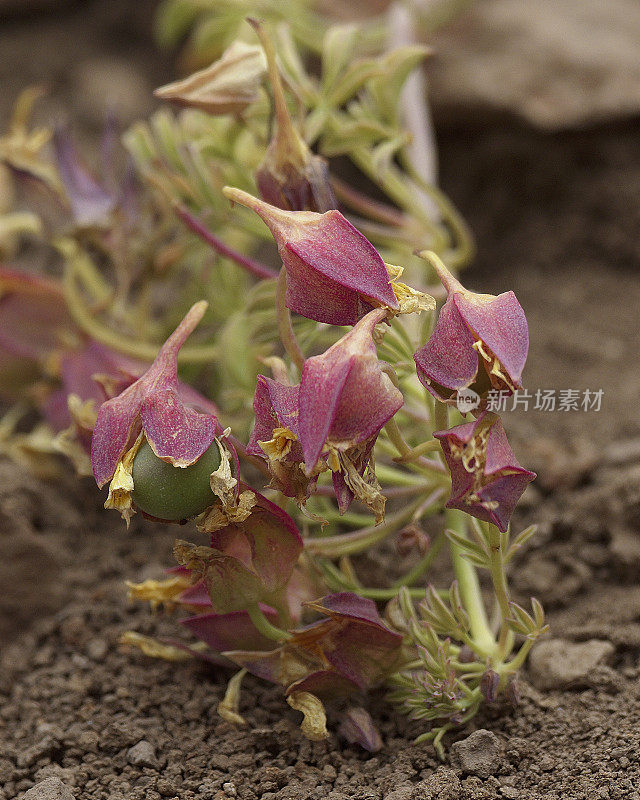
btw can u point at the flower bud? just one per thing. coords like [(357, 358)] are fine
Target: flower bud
[(486, 478), (291, 176), (480, 342)]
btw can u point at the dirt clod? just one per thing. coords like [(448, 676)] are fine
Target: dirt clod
[(49, 789), (479, 754), (557, 664)]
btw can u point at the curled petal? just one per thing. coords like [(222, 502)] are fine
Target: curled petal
[(314, 724)]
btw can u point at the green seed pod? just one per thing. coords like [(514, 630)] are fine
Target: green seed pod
[(173, 493)]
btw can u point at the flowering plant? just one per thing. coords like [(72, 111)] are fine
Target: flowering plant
[(327, 420)]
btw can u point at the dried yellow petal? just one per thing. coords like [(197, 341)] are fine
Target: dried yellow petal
[(314, 724)]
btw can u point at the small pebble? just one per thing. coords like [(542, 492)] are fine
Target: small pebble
[(142, 755)]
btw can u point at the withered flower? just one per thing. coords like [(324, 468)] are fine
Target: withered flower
[(347, 651), (487, 480), (291, 176), (227, 86)]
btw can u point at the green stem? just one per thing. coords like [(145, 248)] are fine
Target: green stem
[(285, 329), (84, 317), (264, 626), (414, 453), (349, 543), (440, 416), (469, 585), (518, 660), (499, 579)]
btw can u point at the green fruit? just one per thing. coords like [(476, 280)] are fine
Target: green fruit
[(173, 493)]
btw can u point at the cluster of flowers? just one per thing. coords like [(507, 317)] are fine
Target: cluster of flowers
[(164, 452)]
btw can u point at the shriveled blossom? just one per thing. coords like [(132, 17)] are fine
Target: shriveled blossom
[(347, 651), (334, 274), (153, 406), (276, 437), (227, 86), (345, 400), (480, 342), (248, 561), (487, 480)]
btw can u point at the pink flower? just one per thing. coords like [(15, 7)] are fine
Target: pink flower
[(487, 480), (176, 432), (345, 399), (480, 342), (334, 274)]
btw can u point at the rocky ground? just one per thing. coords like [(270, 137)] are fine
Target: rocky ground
[(556, 218)]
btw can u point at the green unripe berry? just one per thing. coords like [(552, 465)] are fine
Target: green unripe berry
[(173, 493)]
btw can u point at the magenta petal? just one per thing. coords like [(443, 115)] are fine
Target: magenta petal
[(312, 295), (176, 433), (348, 604), (320, 390), (501, 324), (344, 395), (505, 491), (267, 666), (448, 359), (275, 406), (113, 430), (230, 631), (339, 251), (367, 402)]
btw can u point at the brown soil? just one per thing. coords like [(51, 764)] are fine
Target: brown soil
[(556, 218)]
